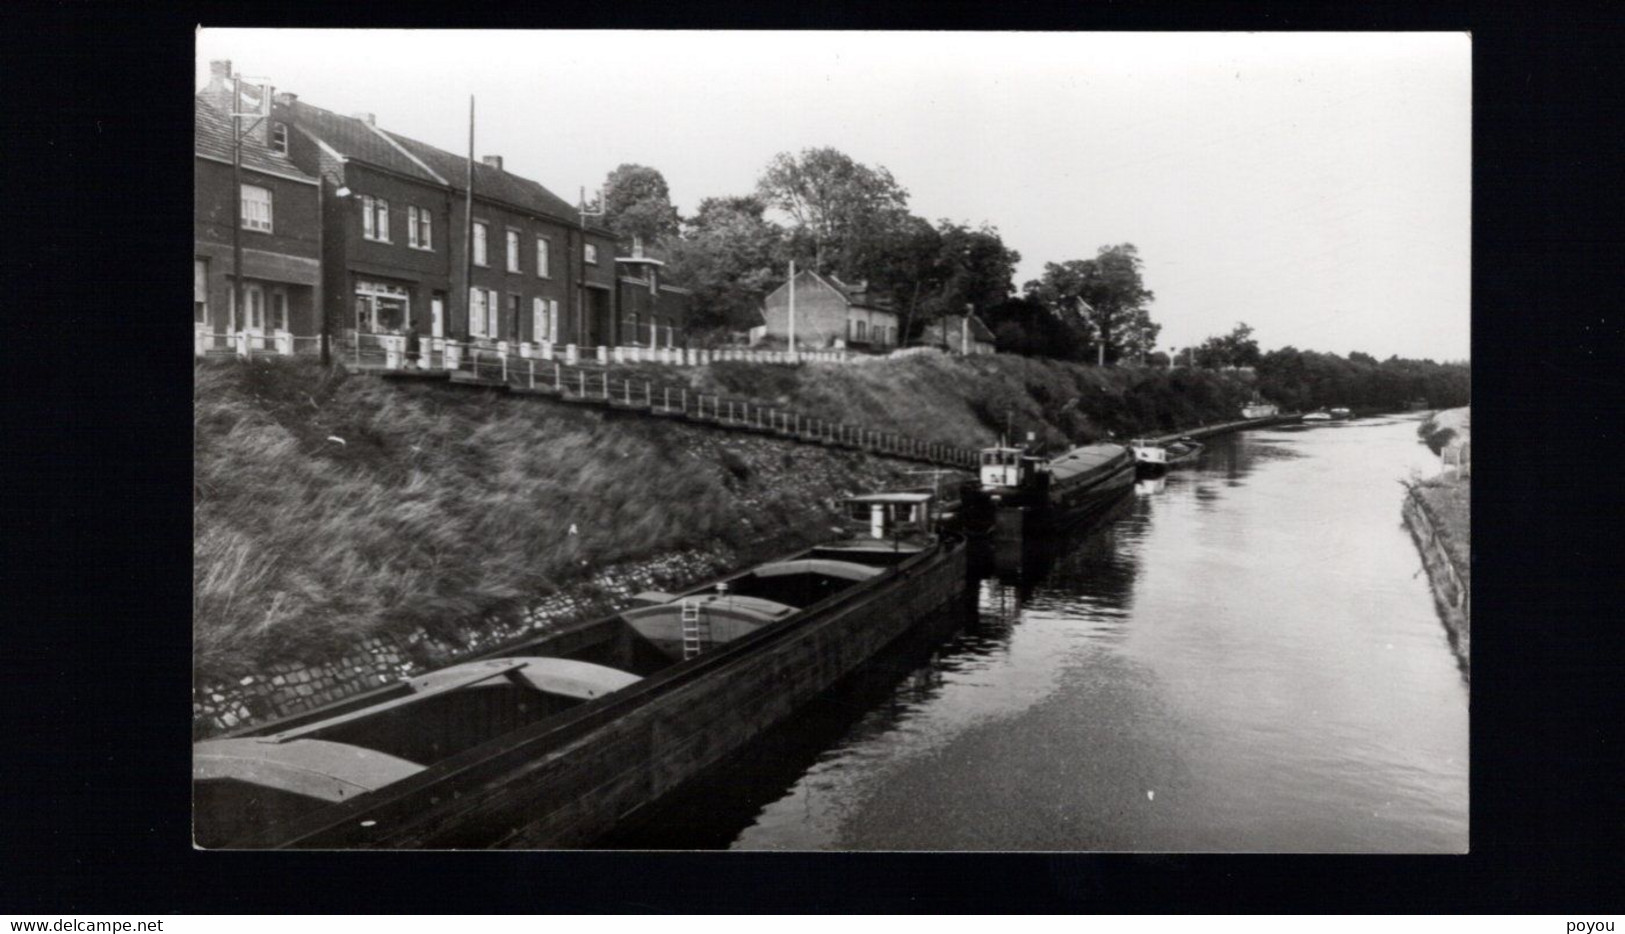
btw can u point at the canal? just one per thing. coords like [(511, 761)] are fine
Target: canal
[(1243, 657)]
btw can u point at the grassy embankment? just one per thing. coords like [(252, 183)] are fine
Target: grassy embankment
[(444, 503), (1448, 497)]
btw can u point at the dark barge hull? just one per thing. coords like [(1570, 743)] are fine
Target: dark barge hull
[(567, 780)]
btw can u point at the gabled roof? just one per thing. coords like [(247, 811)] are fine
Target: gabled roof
[(211, 137), (495, 183), (854, 296), (354, 139), (978, 330)]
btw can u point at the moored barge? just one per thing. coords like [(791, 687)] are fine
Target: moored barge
[(554, 742), (1017, 492)]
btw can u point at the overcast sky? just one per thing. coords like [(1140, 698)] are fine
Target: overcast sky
[(1315, 186)]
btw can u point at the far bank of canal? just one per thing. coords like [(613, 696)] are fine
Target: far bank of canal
[(1245, 658)]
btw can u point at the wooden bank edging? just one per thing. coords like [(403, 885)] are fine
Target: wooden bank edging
[(1210, 431), (1451, 597)]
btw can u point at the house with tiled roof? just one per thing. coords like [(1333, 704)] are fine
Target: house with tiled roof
[(829, 313), (397, 268), (959, 334), (280, 241)]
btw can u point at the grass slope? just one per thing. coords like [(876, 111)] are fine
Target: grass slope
[(970, 400), (442, 503)]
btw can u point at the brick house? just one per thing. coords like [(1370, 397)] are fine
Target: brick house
[(829, 313), (394, 226), (653, 314), (538, 275), (959, 334), (281, 242)]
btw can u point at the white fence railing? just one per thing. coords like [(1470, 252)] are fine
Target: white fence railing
[(397, 351)]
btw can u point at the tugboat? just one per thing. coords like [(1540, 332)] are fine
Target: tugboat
[(1017, 492)]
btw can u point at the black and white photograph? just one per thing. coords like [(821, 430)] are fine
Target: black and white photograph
[(815, 441)]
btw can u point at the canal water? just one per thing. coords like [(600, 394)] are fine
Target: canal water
[(1243, 657)]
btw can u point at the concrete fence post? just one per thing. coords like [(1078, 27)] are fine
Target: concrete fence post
[(558, 379), (532, 364)]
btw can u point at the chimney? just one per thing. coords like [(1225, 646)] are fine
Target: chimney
[(219, 70), (287, 98), (637, 247), (369, 119), (494, 162)]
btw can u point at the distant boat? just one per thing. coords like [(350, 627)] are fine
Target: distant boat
[(1151, 459), (1340, 413), (1259, 410), (1320, 415)]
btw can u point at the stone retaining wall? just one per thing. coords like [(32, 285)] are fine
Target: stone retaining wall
[(289, 688), (1451, 594)]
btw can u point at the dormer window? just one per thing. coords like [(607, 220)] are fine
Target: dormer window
[(279, 137)]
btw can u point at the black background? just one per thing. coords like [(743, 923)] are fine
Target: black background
[(95, 652)]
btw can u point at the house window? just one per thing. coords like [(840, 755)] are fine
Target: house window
[(254, 301), (279, 137), (589, 253), (279, 310), (200, 291), (553, 320), (538, 319), (381, 308), (541, 258), (419, 228), (513, 251), (632, 324), (479, 245), (862, 332), (375, 218), (482, 313), (515, 304), (256, 208)]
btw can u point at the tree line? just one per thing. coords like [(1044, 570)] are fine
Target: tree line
[(831, 213), (828, 212)]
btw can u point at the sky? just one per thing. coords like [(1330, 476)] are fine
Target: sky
[(1316, 186)]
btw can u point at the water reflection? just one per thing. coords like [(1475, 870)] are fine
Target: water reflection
[(1241, 657)]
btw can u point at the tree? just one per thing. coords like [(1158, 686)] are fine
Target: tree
[(1238, 348), (1105, 296), (838, 206), (730, 255), (974, 267), (1023, 325), (637, 203)]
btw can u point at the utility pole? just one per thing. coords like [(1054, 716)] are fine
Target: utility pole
[(238, 132), (468, 235), (792, 308), (237, 196)]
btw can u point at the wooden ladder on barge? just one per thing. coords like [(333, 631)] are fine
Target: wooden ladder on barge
[(696, 631)]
